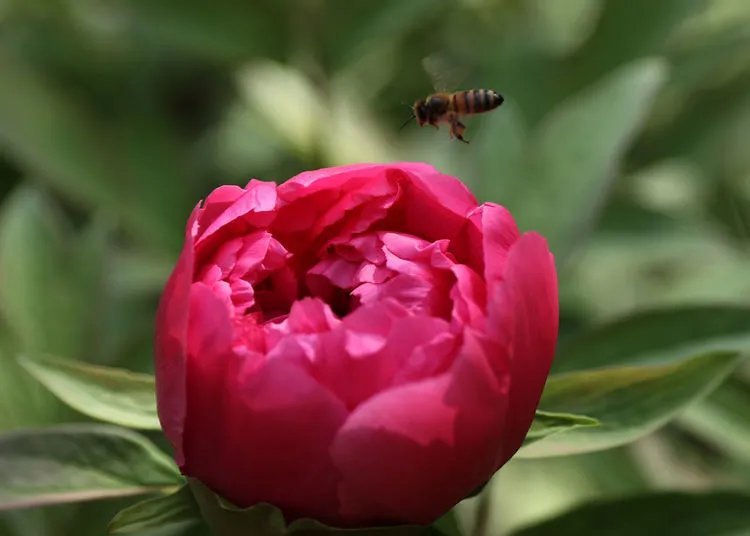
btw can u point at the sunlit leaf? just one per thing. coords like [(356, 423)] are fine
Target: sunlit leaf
[(23, 402), (628, 401), (176, 512), (722, 419), (79, 462), (658, 336), (41, 296), (104, 393), (573, 155), (547, 423)]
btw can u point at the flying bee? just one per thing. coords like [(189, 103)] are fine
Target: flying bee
[(448, 107)]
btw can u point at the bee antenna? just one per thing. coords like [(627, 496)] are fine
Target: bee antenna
[(408, 120)]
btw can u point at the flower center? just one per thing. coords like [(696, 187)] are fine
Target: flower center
[(380, 265)]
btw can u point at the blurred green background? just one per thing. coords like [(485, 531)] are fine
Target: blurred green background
[(624, 138)]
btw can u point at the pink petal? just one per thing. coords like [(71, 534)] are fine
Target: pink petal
[(332, 207), (263, 443), (484, 240), (428, 443), (451, 192), (525, 304), (171, 341), (217, 202), (306, 179), (253, 209), (469, 295), (311, 315)]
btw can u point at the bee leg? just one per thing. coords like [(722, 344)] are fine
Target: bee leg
[(457, 130)]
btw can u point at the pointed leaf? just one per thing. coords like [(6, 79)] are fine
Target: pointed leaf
[(629, 402), (547, 423), (79, 462), (108, 394), (177, 511), (573, 155), (658, 336)]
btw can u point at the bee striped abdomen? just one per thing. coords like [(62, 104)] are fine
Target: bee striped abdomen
[(475, 101)]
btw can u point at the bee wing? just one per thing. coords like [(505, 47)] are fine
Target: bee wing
[(444, 74)]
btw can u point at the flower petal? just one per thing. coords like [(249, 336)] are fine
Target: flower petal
[(526, 305), (251, 210), (428, 443), (170, 343), (267, 439)]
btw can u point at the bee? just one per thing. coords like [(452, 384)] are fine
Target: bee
[(449, 107)]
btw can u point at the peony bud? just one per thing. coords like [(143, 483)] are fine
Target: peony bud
[(362, 345)]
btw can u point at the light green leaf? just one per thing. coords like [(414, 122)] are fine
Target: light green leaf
[(502, 146), (108, 394), (573, 155), (80, 462), (23, 402), (659, 336), (722, 420), (39, 292), (628, 401), (547, 423), (706, 514), (177, 511)]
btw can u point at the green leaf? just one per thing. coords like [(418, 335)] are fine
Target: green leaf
[(264, 519), (573, 155), (23, 402), (707, 514), (614, 40), (112, 164), (722, 419), (79, 462), (628, 401), (655, 337), (547, 423), (177, 511), (231, 30), (108, 394), (38, 295), (51, 135)]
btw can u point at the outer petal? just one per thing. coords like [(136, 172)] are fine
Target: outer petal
[(429, 204), (449, 190), (228, 215), (332, 205), (410, 453), (525, 304), (258, 429), (171, 344), (484, 240)]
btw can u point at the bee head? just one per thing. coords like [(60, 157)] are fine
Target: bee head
[(421, 112)]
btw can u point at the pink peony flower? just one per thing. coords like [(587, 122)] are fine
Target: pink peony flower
[(363, 345)]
